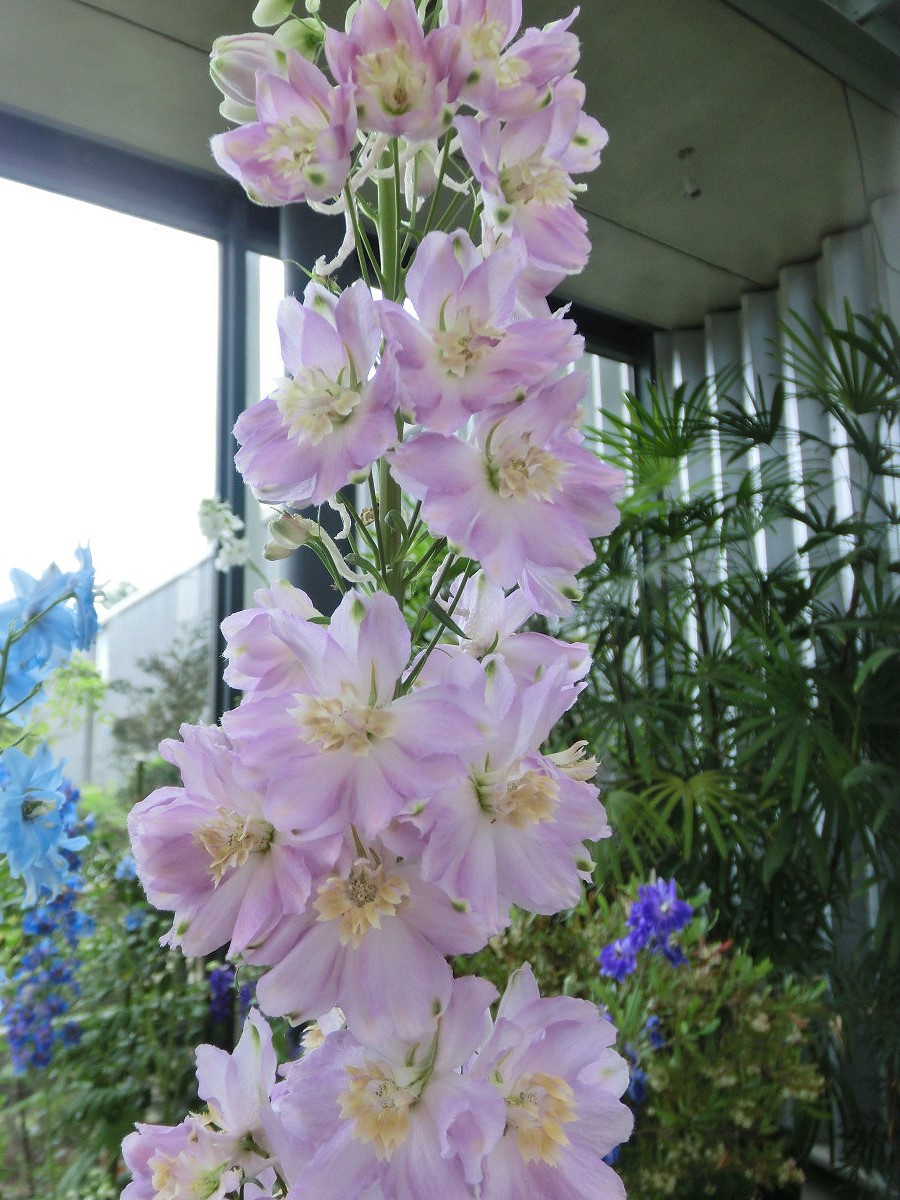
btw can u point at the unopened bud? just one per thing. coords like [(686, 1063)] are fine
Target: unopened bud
[(291, 530), (303, 34), (274, 551), (272, 12)]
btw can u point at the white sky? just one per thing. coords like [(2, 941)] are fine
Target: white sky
[(108, 375)]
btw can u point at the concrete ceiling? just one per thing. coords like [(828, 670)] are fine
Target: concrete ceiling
[(791, 107)]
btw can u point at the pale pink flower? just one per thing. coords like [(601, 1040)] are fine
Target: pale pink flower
[(299, 145), (552, 1061), (237, 1087), (500, 77), (523, 496), (209, 853), (343, 748), (214, 1153), (168, 1162), (463, 351), (374, 943), (512, 831), (525, 170), (331, 418), (259, 641), (398, 1120), (491, 620), (399, 75)]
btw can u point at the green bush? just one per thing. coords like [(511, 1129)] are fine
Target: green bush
[(746, 716)]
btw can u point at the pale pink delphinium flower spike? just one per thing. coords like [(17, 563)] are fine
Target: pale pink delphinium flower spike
[(512, 830), (259, 642), (237, 1087), (226, 1148), (399, 75), (190, 1159), (331, 417), (234, 63), (490, 619), (300, 142)]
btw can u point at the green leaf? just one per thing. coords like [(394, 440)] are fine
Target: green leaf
[(445, 619), (871, 665)]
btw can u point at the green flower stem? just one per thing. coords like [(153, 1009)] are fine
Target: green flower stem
[(389, 493), (364, 251), (436, 636), (442, 171)]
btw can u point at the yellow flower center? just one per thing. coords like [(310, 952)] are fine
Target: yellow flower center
[(460, 349), (289, 146), (312, 405), (230, 839), (379, 1107), (486, 39), (359, 901), (535, 1113), (394, 77), (526, 801), (338, 724), (527, 471), (536, 180)]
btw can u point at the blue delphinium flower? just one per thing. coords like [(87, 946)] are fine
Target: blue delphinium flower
[(34, 830), (221, 983), (652, 919), (43, 986), (126, 869), (658, 912), (41, 628), (637, 1085), (654, 1034), (134, 919), (618, 959), (83, 588)]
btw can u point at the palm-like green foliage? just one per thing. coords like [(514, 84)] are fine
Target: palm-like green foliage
[(747, 717)]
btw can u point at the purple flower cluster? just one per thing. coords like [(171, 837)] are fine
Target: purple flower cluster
[(655, 915), (45, 982)]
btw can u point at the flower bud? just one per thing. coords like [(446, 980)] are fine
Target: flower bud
[(272, 12), (233, 66), (291, 531), (303, 34)]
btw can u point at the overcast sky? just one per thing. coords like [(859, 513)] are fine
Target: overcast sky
[(107, 388)]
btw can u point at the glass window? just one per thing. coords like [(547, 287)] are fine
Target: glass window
[(108, 384)]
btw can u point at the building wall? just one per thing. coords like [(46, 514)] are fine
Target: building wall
[(143, 624)]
